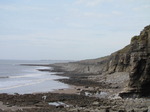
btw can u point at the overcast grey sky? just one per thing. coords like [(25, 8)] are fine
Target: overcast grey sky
[(69, 29)]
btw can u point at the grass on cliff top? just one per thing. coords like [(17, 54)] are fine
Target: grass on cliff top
[(141, 37), (138, 38), (125, 49), (135, 38)]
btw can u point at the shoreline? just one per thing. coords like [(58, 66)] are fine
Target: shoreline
[(83, 94), (31, 82)]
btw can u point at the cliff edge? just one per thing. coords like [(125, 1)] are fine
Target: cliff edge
[(133, 59)]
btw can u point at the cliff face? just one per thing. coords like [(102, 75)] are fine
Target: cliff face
[(139, 65), (134, 59)]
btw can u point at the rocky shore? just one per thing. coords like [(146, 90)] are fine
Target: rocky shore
[(88, 94), (71, 103), (116, 83), (134, 59)]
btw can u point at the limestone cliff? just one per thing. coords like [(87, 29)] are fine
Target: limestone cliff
[(134, 58), (139, 65)]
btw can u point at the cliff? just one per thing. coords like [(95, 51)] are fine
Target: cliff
[(133, 59), (139, 63)]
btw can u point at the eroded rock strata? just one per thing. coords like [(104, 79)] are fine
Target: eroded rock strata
[(133, 59), (139, 64)]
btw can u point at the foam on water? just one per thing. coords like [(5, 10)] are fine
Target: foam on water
[(29, 81)]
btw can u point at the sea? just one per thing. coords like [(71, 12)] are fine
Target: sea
[(22, 79)]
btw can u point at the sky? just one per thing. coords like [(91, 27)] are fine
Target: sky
[(68, 29)]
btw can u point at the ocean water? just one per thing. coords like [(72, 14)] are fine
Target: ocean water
[(16, 78)]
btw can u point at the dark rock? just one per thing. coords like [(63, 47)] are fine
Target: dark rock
[(139, 65), (60, 106), (86, 86), (107, 110), (121, 111)]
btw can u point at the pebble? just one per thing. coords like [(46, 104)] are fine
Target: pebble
[(95, 103)]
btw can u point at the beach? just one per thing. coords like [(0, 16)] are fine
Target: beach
[(83, 95)]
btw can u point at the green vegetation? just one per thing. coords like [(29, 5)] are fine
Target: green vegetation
[(125, 49), (135, 38), (139, 38)]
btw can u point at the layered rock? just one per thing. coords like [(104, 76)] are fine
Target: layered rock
[(134, 59), (139, 65)]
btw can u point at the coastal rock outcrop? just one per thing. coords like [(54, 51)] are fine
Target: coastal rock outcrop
[(133, 59), (139, 65)]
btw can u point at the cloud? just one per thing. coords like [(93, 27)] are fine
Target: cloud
[(90, 3), (76, 25), (116, 13), (18, 8), (143, 7), (101, 15), (95, 15), (8, 7)]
